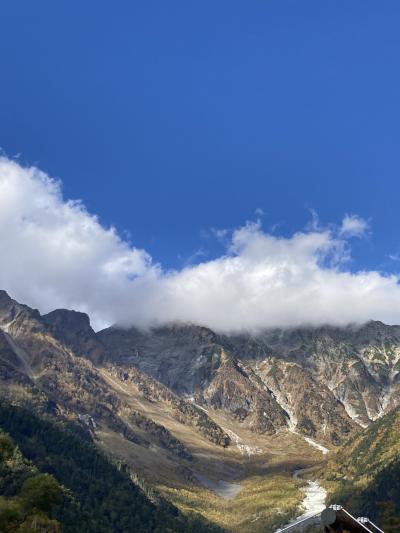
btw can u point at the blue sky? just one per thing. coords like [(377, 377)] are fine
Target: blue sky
[(170, 118)]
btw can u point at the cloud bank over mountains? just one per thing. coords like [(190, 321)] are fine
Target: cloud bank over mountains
[(55, 254)]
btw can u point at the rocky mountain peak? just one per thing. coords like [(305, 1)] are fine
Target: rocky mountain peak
[(376, 331), (65, 318), (17, 316), (73, 329), (4, 296)]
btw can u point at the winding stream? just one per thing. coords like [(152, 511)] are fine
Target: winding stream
[(314, 495), (313, 503), (314, 499)]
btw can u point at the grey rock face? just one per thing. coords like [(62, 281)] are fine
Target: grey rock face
[(358, 365), (191, 361), (17, 318), (74, 330), (323, 382), (184, 358)]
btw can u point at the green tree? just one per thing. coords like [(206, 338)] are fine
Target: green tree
[(41, 493), (10, 515), (390, 521)]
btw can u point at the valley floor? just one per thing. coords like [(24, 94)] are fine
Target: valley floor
[(247, 487)]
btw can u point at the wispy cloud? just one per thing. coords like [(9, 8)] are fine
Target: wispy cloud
[(56, 254), (353, 226), (194, 257)]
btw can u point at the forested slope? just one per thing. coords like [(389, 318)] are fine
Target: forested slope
[(365, 474), (91, 493)]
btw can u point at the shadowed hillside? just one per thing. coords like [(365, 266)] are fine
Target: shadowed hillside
[(364, 475)]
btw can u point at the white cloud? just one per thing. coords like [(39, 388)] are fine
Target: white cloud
[(353, 226), (55, 254)]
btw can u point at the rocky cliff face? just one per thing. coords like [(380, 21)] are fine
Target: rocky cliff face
[(184, 358), (356, 366), (322, 382), (73, 329), (192, 362), (185, 411), (235, 390)]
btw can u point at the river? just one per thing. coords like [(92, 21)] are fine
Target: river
[(313, 502)]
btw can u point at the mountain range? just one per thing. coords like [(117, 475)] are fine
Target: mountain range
[(205, 426)]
